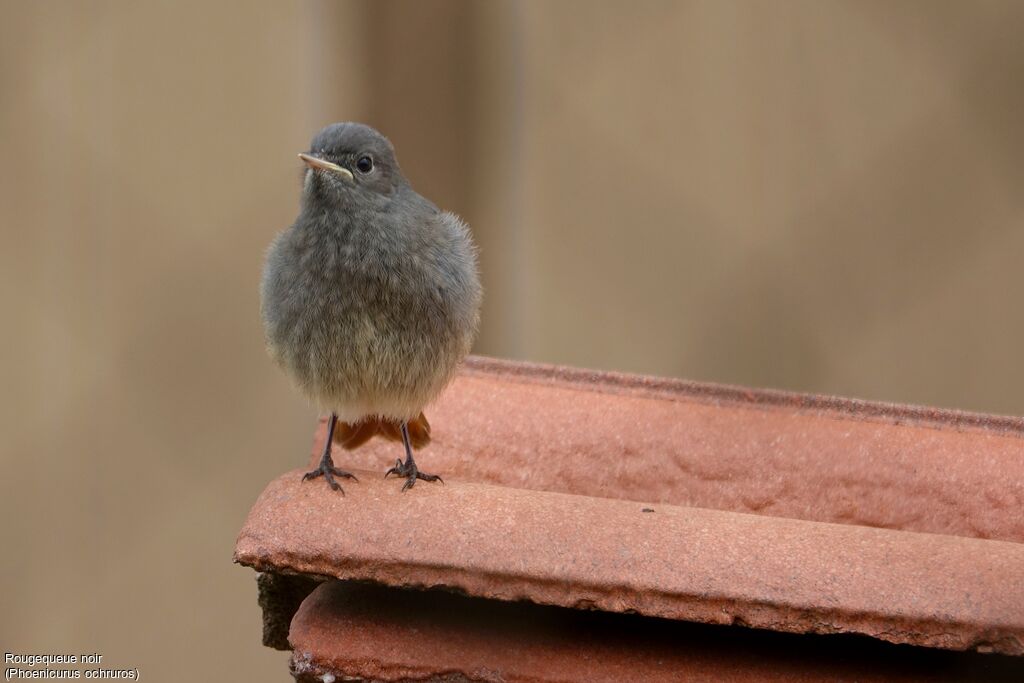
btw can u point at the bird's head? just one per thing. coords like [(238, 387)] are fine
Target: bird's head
[(350, 163)]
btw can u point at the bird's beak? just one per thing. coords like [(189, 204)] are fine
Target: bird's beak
[(315, 162)]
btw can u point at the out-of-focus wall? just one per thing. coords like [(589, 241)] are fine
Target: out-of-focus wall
[(820, 196), (148, 159)]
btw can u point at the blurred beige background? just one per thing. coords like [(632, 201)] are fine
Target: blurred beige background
[(821, 196)]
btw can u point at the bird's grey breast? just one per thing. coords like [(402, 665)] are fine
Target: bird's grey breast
[(356, 304)]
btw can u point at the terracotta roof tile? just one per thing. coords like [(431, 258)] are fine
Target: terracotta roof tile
[(693, 564), (766, 452), (897, 522), (375, 633)]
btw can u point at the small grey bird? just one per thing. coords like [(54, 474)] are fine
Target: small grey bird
[(371, 298)]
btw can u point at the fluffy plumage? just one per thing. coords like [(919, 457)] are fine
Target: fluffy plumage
[(371, 298)]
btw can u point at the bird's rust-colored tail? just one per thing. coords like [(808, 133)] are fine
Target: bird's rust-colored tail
[(351, 436)]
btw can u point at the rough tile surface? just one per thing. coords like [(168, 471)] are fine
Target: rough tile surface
[(660, 472), (691, 564), (729, 448)]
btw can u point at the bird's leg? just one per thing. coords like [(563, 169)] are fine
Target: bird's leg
[(408, 468), (327, 468)]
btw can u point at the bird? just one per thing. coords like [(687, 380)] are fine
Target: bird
[(371, 299)]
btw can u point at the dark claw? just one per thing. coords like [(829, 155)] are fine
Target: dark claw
[(408, 468), (342, 473), (329, 472), (411, 481), (411, 474), (327, 469)]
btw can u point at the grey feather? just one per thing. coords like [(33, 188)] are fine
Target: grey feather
[(371, 298)]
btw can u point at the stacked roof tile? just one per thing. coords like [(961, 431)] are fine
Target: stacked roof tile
[(673, 502)]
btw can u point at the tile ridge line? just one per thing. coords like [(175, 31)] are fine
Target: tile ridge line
[(667, 388)]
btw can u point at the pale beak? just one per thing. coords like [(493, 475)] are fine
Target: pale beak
[(316, 162)]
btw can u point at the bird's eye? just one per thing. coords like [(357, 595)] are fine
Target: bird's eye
[(365, 164)]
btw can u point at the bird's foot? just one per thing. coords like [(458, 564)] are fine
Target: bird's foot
[(328, 471), (411, 473)]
